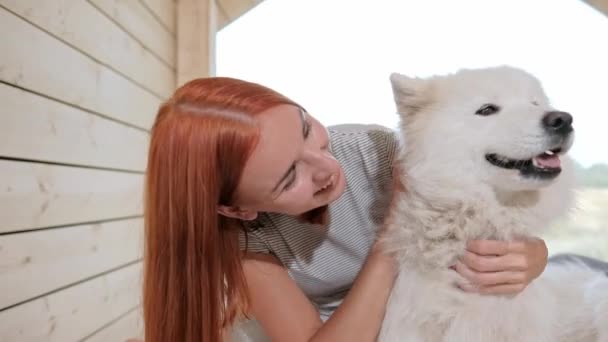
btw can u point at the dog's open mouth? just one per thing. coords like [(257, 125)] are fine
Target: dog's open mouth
[(544, 165)]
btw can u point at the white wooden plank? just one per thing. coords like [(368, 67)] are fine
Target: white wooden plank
[(73, 313), (137, 20), (35, 60), (196, 20), (80, 24), (36, 195), (165, 11), (34, 127), (68, 254), (128, 327)]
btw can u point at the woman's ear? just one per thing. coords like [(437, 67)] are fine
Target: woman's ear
[(238, 213)]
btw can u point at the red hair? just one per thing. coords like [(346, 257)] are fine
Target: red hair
[(194, 285)]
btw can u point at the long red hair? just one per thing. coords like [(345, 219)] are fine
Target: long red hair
[(194, 285)]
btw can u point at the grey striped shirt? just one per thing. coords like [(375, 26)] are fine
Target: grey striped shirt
[(324, 260)]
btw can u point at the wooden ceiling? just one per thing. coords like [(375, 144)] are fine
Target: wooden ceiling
[(230, 10), (600, 5)]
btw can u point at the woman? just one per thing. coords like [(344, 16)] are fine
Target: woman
[(255, 209)]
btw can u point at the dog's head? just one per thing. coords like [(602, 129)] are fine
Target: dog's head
[(492, 125)]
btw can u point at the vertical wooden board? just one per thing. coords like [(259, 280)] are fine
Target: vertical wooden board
[(128, 327), (34, 60), (38, 262), (164, 10), (83, 26), (75, 312), (139, 22), (34, 127), (195, 39), (36, 195)]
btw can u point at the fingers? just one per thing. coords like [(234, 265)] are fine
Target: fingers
[(495, 247), (484, 279), (508, 262), (488, 247), (497, 267), (506, 289)]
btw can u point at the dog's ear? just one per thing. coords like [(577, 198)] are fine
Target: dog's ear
[(411, 94)]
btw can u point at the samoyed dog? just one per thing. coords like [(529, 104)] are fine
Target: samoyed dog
[(483, 157)]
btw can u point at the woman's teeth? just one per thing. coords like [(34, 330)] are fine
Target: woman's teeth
[(328, 185)]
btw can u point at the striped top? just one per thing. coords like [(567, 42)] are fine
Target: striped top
[(324, 260)]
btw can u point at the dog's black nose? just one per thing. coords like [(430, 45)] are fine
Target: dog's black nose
[(558, 122)]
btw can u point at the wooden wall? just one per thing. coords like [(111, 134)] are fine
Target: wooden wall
[(80, 83)]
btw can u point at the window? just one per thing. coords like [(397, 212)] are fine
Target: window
[(334, 57)]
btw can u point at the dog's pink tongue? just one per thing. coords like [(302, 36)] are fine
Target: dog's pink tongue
[(548, 161)]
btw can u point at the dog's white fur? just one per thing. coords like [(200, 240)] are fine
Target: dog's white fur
[(452, 194)]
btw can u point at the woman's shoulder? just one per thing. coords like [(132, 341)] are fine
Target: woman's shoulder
[(354, 129), (367, 141)]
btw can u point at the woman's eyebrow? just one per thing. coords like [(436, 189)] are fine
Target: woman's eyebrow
[(305, 124)]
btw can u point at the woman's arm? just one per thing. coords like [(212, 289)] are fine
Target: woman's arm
[(360, 315), (286, 314)]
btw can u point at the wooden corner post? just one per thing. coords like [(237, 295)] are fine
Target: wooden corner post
[(196, 29)]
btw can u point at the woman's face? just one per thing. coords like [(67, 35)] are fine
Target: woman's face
[(291, 171)]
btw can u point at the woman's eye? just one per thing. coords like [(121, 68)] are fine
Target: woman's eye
[(307, 128), (290, 182)]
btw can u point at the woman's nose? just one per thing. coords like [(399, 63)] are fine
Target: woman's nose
[(321, 177), (320, 163)]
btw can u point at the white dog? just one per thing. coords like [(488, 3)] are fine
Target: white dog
[(483, 157)]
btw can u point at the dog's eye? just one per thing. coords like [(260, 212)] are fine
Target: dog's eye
[(487, 109)]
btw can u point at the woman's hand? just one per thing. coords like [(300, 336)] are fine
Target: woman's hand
[(501, 267)]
